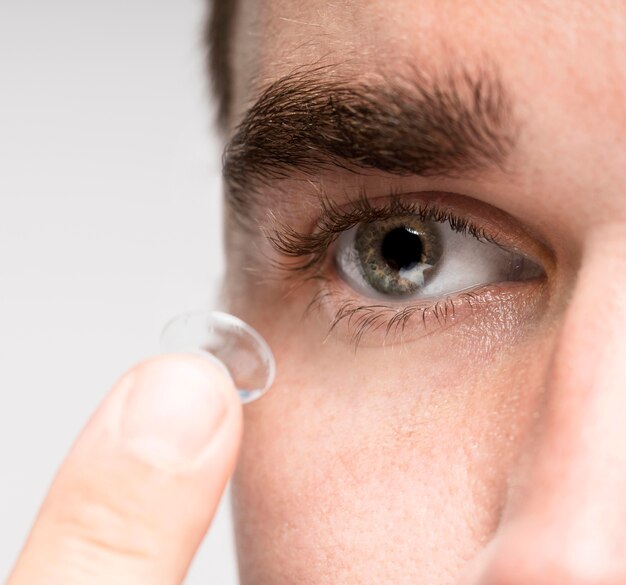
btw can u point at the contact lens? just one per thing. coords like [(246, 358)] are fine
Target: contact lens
[(240, 348)]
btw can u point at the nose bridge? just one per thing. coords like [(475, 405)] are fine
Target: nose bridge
[(567, 520), (581, 449), (577, 491)]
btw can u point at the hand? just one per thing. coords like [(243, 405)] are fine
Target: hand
[(140, 486)]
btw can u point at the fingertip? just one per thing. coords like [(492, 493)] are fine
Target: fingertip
[(176, 405)]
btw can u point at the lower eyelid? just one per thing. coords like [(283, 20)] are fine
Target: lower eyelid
[(504, 309)]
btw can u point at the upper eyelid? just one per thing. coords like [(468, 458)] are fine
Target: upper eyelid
[(334, 220)]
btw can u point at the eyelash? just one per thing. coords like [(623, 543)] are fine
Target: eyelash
[(304, 254), (334, 220)]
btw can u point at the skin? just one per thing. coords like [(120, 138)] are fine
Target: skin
[(487, 451), (492, 451)]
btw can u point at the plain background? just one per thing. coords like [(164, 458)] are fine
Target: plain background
[(109, 224)]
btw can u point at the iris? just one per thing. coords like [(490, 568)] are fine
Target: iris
[(397, 254)]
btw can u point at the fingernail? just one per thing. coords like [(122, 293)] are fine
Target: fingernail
[(174, 407)]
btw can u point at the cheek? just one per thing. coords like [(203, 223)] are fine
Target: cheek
[(379, 466)]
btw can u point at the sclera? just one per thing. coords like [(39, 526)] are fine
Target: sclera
[(237, 346)]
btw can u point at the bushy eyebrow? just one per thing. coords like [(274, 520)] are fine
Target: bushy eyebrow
[(409, 124)]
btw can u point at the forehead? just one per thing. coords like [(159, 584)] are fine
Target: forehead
[(574, 43)]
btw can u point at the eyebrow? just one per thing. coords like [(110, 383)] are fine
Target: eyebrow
[(411, 124)]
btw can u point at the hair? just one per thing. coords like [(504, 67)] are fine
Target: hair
[(218, 36)]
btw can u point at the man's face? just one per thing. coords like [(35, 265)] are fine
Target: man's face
[(427, 221)]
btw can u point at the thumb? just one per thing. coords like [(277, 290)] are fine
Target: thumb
[(139, 488)]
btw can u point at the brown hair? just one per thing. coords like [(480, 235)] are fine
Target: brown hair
[(217, 36)]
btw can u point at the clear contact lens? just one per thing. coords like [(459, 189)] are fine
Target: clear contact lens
[(240, 348)]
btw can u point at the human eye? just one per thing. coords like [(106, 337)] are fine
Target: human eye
[(379, 263), (408, 257)]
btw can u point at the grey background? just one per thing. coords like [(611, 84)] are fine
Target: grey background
[(109, 224)]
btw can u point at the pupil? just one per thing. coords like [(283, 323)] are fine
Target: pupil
[(402, 249)]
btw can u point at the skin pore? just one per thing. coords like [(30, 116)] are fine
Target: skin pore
[(481, 442)]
